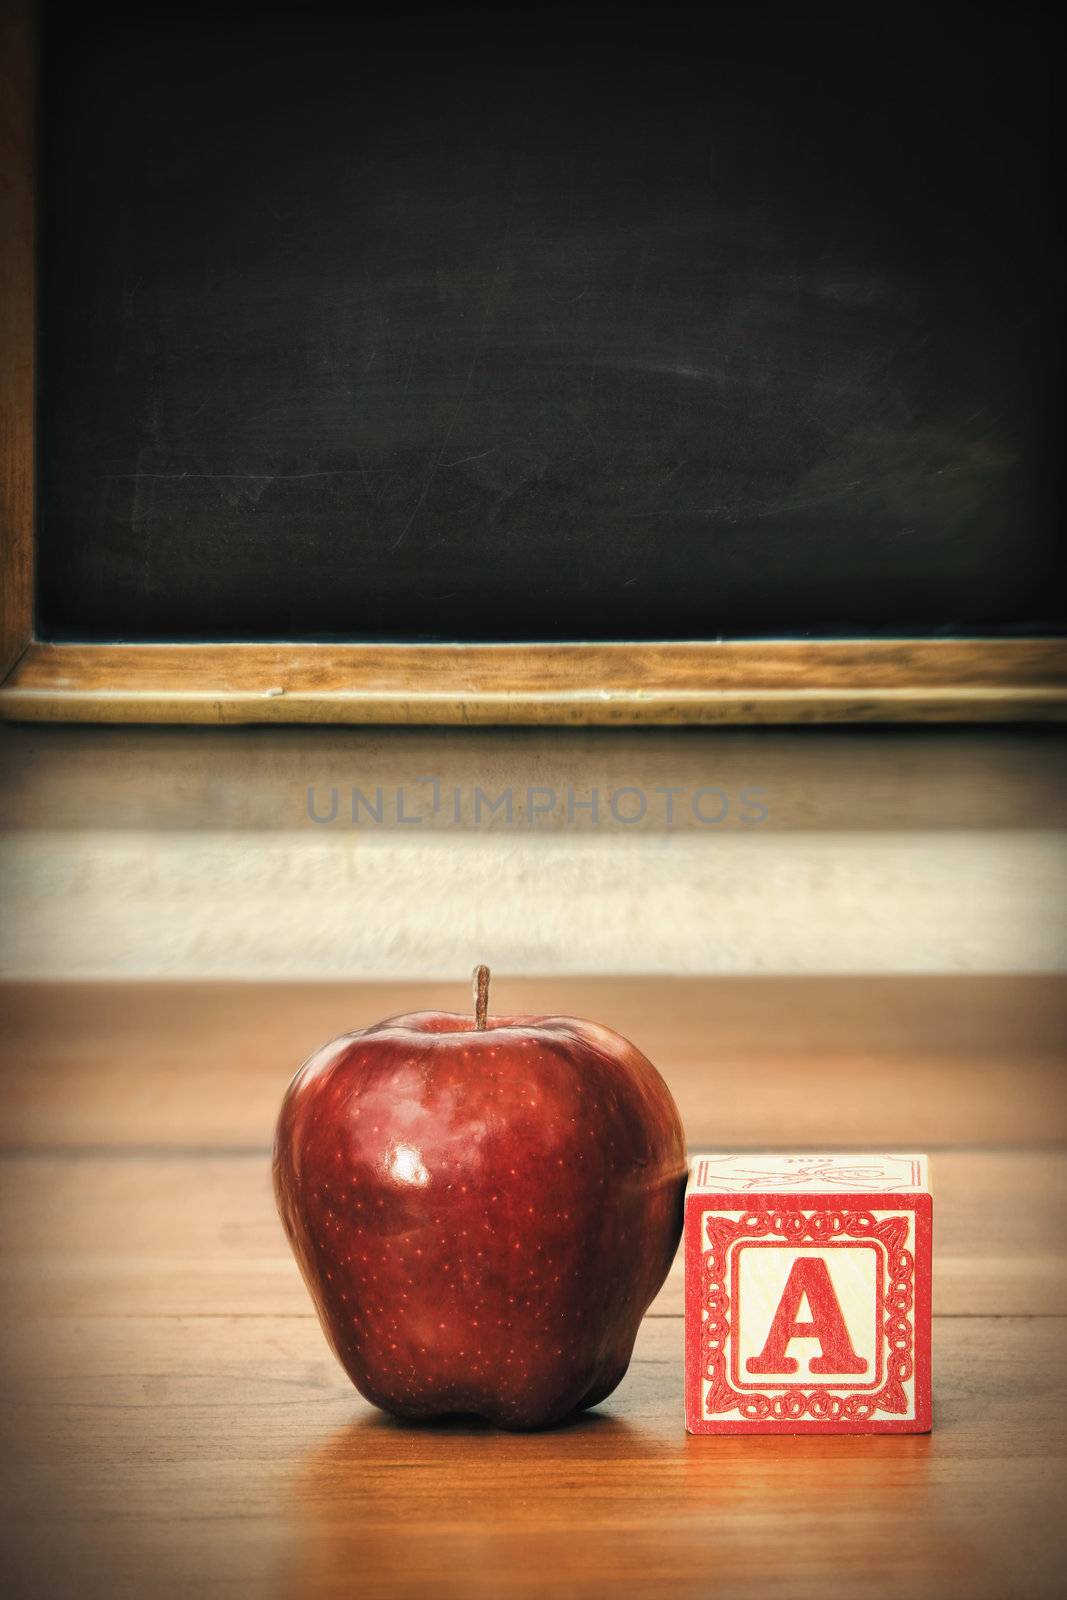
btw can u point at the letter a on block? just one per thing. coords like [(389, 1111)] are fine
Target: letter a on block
[(807, 1293), (808, 1280)]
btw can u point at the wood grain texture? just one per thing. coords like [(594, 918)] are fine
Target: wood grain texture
[(901, 1061), (92, 1234), (17, 329), (176, 1426), (216, 1455), (605, 684)]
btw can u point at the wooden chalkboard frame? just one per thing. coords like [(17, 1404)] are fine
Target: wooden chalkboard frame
[(620, 683)]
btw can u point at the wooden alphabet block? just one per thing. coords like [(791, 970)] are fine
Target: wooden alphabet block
[(807, 1294)]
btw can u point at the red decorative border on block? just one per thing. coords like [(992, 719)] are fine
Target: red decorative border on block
[(797, 1404)]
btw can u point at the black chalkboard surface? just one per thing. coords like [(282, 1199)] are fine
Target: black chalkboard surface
[(466, 324)]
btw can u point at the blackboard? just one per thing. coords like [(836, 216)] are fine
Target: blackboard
[(469, 324)]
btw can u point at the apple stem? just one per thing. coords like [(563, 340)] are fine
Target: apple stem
[(481, 995)]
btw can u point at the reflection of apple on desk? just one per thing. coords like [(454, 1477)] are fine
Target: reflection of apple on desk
[(482, 1207)]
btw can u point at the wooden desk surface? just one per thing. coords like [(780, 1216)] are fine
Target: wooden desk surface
[(175, 1424)]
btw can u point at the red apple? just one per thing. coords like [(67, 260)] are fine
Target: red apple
[(482, 1208)]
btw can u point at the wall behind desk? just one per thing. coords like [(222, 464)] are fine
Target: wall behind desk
[(145, 853)]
